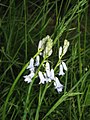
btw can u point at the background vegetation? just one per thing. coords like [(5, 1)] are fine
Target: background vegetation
[(22, 24)]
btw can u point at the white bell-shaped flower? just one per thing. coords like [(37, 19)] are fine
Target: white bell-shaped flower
[(49, 73), (28, 78), (52, 74), (48, 69), (58, 85), (47, 79), (37, 61), (42, 78), (31, 65), (61, 72), (64, 66)]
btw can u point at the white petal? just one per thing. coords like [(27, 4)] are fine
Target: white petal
[(27, 79), (60, 51), (48, 69), (37, 61), (52, 74), (58, 85), (42, 79), (64, 66), (61, 70), (31, 75), (47, 79), (47, 66), (31, 65)]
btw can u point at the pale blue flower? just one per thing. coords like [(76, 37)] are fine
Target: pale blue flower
[(62, 67), (49, 73), (37, 61), (31, 65), (28, 78), (42, 78), (58, 85), (47, 79), (61, 72), (47, 69)]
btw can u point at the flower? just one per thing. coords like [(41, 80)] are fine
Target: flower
[(61, 70), (65, 47), (58, 85), (31, 65), (37, 61), (46, 46), (47, 76), (49, 73), (47, 69), (28, 78), (42, 78), (62, 67), (60, 51)]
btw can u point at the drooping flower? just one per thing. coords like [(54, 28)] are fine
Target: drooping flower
[(49, 73), (28, 78), (47, 79), (61, 72), (47, 69), (31, 65), (52, 74), (58, 85), (37, 61), (62, 67), (42, 78)]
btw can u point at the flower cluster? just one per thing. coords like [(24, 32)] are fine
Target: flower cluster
[(47, 75)]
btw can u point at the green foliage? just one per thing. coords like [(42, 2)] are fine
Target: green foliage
[(22, 25)]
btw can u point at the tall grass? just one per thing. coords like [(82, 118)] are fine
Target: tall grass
[(22, 25)]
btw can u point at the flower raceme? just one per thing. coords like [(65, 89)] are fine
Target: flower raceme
[(46, 45), (47, 75)]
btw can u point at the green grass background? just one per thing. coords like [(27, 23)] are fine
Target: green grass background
[(22, 24)]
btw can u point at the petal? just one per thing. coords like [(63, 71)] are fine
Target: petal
[(37, 61), (52, 74), (42, 79), (47, 66), (48, 69), (31, 75), (64, 65), (60, 51), (27, 79), (58, 85), (31, 65), (61, 70)]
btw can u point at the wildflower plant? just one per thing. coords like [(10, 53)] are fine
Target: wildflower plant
[(48, 74)]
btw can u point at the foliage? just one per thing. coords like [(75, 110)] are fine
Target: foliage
[(22, 25)]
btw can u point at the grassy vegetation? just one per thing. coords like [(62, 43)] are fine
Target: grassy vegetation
[(22, 24)]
